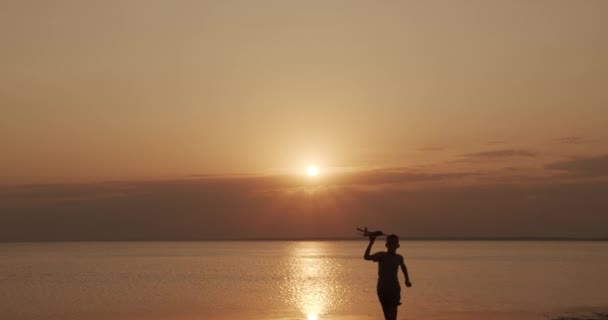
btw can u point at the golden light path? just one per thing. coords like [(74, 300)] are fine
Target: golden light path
[(313, 286)]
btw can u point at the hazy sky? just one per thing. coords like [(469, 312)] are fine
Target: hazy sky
[(435, 109)]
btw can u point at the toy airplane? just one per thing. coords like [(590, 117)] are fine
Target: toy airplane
[(367, 233)]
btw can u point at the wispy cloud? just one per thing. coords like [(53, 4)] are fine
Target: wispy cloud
[(590, 167), (431, 149), (497, 154), (495, 142), (398, 176), (571, 140)]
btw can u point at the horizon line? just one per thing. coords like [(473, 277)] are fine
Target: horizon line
[(320, 239)]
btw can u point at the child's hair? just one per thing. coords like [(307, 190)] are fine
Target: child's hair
[(393, 238)]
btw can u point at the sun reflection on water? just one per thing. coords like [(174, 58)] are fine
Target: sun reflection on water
[(312, 282)]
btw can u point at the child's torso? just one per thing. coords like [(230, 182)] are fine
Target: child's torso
[(388, 267)]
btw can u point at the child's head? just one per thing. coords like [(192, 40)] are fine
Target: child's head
[(392, 243)]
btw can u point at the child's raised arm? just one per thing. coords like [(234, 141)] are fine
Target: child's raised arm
[(405, 275), (366, 255)]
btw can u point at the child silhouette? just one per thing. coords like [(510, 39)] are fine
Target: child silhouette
[(388, 288)]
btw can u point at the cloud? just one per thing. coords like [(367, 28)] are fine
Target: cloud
[(495, 142), (257, 207), (570, 140), (513, 168), (431, 149), (589, 167), (497, 154), (397, 176)]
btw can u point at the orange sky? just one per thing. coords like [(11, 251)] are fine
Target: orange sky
[(113, 90), (447, 93)]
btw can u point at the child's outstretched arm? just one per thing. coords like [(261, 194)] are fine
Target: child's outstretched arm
[(367, 256), (405, 274)]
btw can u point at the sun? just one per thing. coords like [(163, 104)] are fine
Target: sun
[(312, 171)]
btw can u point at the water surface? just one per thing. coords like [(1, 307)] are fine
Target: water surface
[(297, 280)]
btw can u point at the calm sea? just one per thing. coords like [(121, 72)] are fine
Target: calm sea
[(297, 280)]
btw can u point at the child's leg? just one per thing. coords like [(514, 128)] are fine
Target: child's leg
[(386, 312), (391, 313)]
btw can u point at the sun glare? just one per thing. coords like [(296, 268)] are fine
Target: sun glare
[(312, 171)]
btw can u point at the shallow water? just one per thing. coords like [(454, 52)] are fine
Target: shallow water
[(297, 280)]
